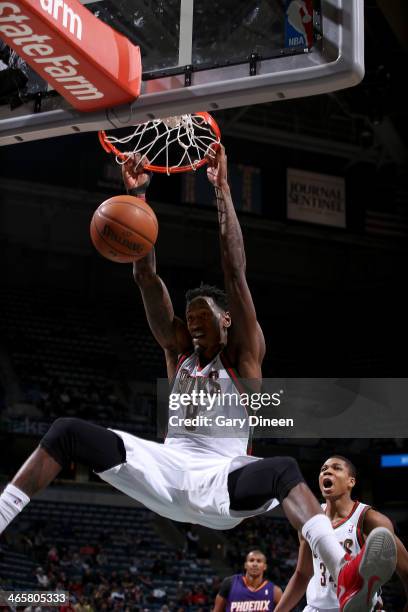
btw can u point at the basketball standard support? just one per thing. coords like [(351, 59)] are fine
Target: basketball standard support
[(186, 32), (336, 62)]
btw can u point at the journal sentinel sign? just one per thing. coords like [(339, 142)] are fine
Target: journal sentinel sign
[(316, 198)]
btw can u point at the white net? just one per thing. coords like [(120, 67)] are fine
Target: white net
[(173, 144)]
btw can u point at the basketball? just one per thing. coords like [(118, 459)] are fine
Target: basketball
[(124, 229)]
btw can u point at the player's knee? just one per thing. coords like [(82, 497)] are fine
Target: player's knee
[(289, 465), (288, 475), (58, 441), (63, 425)]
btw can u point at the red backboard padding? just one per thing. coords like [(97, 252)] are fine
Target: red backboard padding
[(90, 64)]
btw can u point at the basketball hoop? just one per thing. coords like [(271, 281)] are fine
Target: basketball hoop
[(171, 145)]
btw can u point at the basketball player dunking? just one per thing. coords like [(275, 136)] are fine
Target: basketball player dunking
[(352, 521), (191, 477), (251, 591)]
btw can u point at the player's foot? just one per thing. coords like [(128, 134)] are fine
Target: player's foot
[(363, 575)]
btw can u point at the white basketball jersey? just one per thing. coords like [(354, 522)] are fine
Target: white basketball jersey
[(219, 421), (321, 591), (186, 478)]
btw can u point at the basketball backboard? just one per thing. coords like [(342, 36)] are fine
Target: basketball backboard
[(199, 55)]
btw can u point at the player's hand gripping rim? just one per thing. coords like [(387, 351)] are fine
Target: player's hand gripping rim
[(134, 176), (217, 172)]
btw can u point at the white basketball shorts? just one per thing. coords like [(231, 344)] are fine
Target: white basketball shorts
[(179, 483)]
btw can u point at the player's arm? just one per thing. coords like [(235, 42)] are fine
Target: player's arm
[(297, 585), (220, 603), (246, 333), (169, 331), (277, 594), (373, 519)]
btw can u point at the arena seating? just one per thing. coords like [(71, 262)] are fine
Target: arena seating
[(97, 551), (112, 544)]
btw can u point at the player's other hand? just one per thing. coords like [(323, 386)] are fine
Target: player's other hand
[(217, 168), (133, 171)]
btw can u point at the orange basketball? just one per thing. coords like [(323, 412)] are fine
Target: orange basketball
[(124, 228)]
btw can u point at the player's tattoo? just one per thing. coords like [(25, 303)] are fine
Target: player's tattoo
[(221, 206)]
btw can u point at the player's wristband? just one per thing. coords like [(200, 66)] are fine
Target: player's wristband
[(140, 192), (141, 196)]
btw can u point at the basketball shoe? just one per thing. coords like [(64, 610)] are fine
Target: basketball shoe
[(361, 576)]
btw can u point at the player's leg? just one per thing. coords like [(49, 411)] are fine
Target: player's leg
[(255, 484), (67, 440)]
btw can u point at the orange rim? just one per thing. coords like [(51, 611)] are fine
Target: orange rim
[(110, 148)]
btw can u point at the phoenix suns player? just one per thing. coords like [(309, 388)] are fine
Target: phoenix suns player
[(249, 591)]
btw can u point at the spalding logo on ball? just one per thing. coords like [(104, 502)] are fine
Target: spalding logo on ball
[(124, 229)]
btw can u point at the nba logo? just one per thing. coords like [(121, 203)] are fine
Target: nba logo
[(350, 529), (298, 23)]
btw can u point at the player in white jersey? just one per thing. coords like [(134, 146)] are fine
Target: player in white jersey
[(352, 521), (192, 477)]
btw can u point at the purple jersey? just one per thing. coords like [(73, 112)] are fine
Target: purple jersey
[(242, 599)]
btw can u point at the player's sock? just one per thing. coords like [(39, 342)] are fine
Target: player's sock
[(319, 534), (12, 502)]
